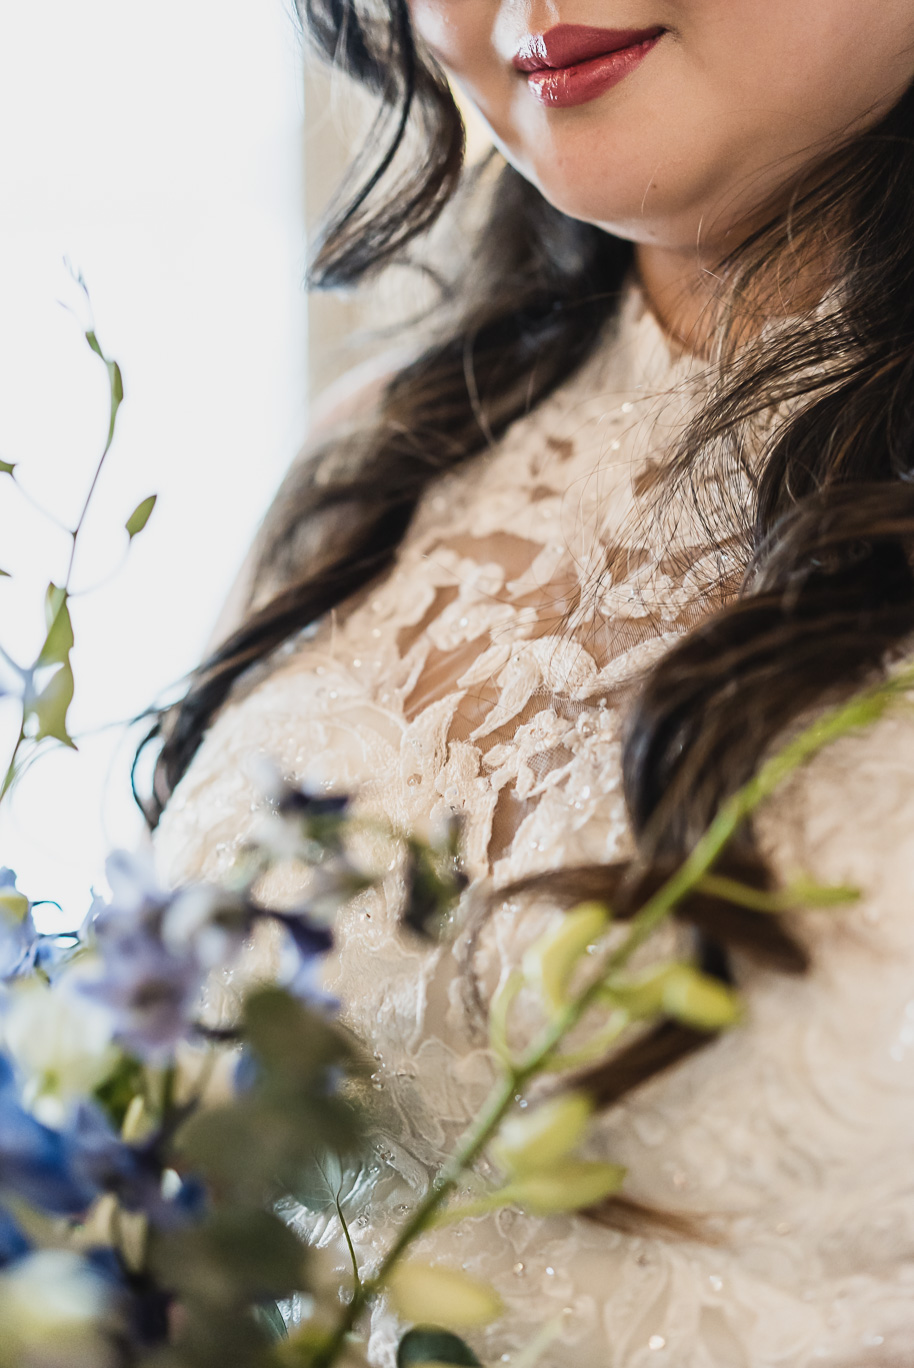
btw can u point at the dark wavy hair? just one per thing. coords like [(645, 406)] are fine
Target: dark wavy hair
[(828, 588)]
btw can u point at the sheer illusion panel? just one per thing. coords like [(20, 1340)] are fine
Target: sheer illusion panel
[(562, 620)]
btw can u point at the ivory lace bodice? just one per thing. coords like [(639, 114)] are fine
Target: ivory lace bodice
[(486, 676)]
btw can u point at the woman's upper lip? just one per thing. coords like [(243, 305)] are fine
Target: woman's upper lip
[(567, 44)]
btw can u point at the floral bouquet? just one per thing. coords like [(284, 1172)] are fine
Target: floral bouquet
[(150, 1148)]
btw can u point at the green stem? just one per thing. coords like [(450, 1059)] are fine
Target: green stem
[(163, 1092), (356, 1278), (116, 396), (777, 900), (11, 768), (467, 1151)]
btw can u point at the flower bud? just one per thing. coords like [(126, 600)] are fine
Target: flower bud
[(442, 1296), (641, 996), (551, 960), (540, 1138), (679, 991), (700, 1001), (574, 1184)]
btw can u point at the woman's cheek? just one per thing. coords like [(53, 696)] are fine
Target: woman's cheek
[(451, 33), (458, 34)]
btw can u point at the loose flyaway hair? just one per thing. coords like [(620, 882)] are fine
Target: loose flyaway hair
[(827, 591)]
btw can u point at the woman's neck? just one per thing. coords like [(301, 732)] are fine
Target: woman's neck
[(685, 293), (680, 294)]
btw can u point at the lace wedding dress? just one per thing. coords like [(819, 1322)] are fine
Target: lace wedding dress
[(485, 676)]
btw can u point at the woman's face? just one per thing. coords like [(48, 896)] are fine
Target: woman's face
[(689, 131)]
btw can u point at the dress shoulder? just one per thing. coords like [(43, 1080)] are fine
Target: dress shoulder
[(848, 818)]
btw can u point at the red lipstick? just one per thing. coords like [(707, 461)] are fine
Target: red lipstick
[(572, 64)]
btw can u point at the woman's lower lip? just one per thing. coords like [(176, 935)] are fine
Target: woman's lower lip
[(562, 87)]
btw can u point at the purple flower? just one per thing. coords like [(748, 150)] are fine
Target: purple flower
[(151, 988), (151, 991), (211, 923), (304, 981), (156, 946), (303, 823)]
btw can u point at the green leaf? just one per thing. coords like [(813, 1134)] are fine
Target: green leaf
[(321, 1182), (289, 1039), (259, 1143), (140, 516), (221, 1144), (51, 706), (427, 1344), (422, 1292), (234, 1256), (6, 468), (328, 1179), (206, 1336), (270, 1317), (275, 1137), (59, 640), (115, 384)]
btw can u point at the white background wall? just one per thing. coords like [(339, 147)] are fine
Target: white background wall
[(158, 146)]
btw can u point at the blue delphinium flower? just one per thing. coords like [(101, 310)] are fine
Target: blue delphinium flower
[(13, 1243), (62, 1171), (309, 937), (131, 1172), (37, 1163)]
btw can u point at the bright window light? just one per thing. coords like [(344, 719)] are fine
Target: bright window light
[(159, 148)]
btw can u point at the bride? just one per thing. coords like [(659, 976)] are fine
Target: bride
[(641, 502)]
